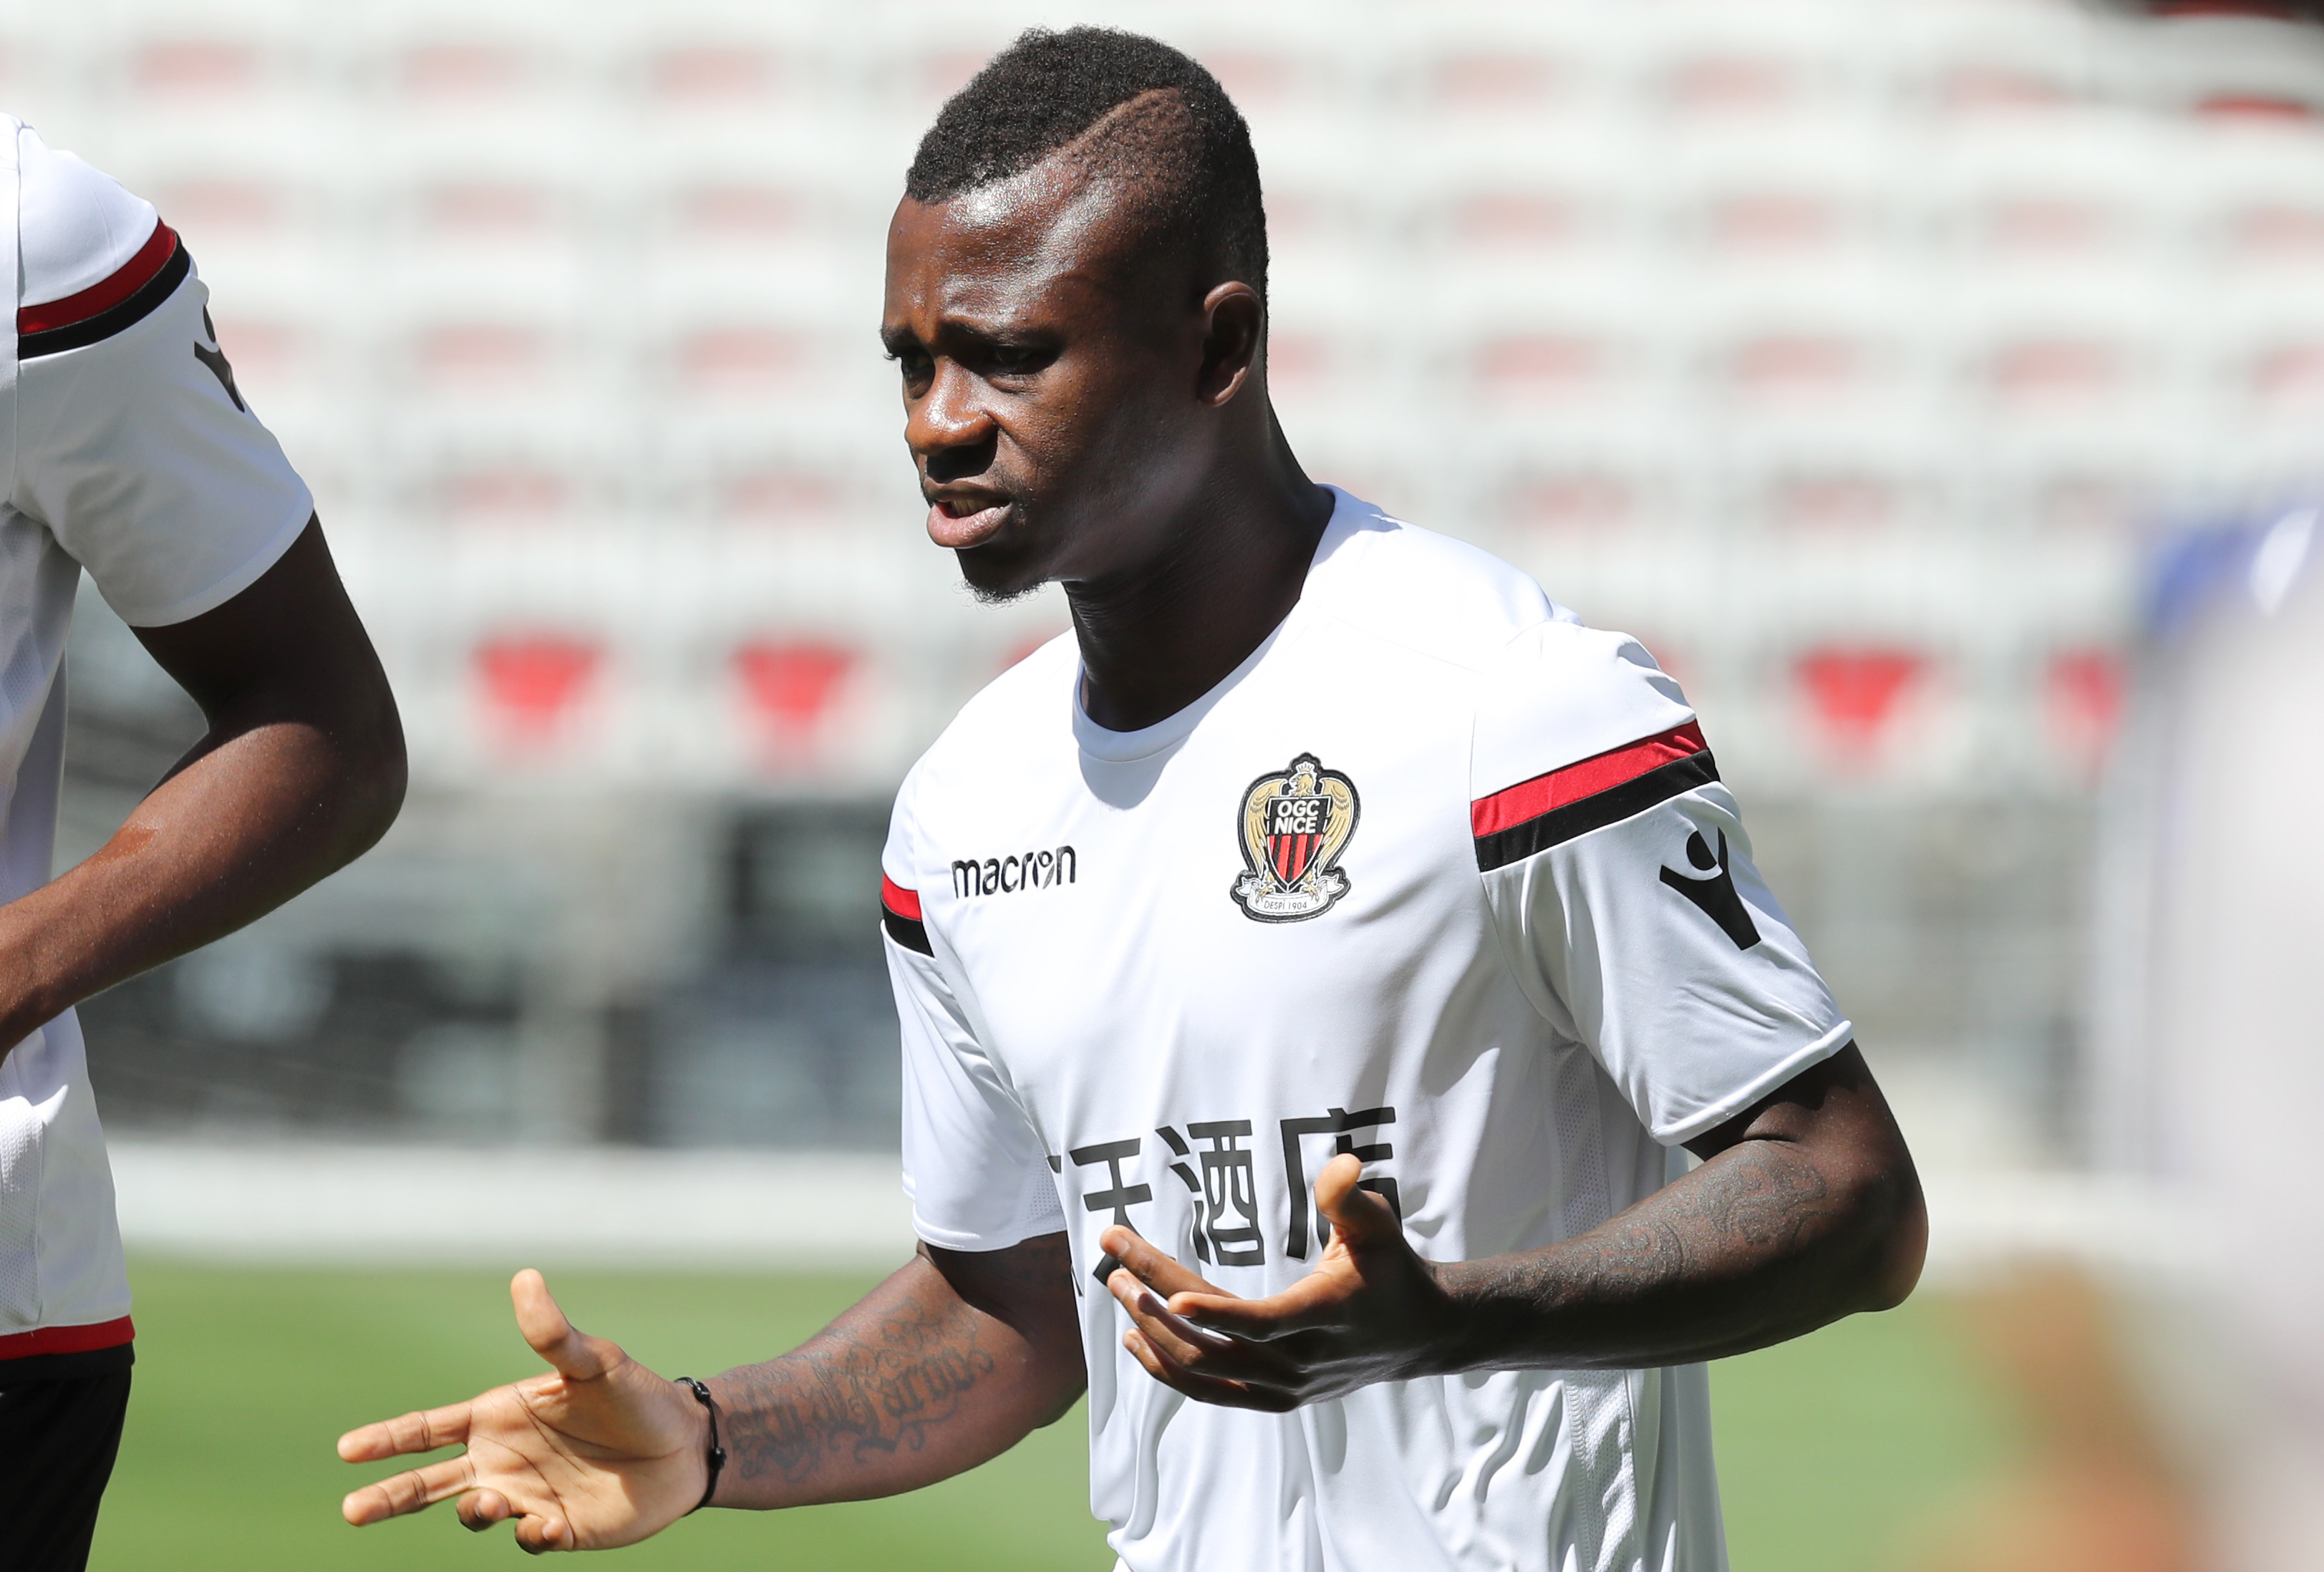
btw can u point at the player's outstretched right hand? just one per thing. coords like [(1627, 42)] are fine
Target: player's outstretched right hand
[(601, 1453)]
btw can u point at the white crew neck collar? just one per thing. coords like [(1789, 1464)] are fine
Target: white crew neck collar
[(1128, 747)]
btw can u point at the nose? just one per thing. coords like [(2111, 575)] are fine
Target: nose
[(948, 429)]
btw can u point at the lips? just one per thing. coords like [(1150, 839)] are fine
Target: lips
[(958, 523)]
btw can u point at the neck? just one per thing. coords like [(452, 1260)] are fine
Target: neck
[(1156, 637)]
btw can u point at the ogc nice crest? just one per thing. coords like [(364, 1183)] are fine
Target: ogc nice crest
[(1294, 825)]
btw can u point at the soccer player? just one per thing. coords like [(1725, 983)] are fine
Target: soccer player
[(134, 454), (1314, 969)]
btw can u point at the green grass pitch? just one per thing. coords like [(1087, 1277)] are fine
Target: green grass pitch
[(1827, 1446)]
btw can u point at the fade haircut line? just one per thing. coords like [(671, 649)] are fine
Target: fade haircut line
[(1185, 151)]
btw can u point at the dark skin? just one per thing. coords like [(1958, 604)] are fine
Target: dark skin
[(300, 771), (1083, 409)]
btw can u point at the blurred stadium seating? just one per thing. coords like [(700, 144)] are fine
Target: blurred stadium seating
[(1842, 349)]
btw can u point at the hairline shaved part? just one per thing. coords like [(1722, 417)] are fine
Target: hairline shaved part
[(1135, 113)]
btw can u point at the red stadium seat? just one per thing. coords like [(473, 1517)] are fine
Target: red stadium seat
[(483, 355), (2290, 374), (534, 682), (739, 359), (2083, 695), (1795, 365), (1980, 90), (1732, 84), (488, 209), (781, 495), (2056, 226), (1833, 499), (1580, 501), (1544, 365), (2260, 109), (197, 68), (2054, 371), (699, 76), (788, 686), (1518, 219), (511, 493), (2276, 233), (1770, 222), (736, 211), (1854, 693), (457, 72), (1496, 82)]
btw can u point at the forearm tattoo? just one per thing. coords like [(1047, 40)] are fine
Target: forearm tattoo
[(1751, 1248), (985, 1343), (871, 1386), (1763, 1200)]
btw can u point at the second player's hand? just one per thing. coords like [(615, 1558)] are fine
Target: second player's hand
[(604, 1452), (1372, 1310)]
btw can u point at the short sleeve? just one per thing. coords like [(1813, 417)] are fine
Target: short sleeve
[(135, 446), (1621, 884), (974, 1164)]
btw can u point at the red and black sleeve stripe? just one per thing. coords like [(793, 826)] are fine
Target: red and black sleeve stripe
[(899, 913), (110, 306), (1537, 815)]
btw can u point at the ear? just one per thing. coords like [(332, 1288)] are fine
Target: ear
[(1234, 334)]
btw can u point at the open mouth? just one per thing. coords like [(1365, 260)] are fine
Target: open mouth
[(958, 523)]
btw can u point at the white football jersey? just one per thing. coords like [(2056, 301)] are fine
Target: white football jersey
[(131, 453), (1437, 877)]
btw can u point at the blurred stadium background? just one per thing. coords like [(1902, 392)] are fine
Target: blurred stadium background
[(1855, 353)]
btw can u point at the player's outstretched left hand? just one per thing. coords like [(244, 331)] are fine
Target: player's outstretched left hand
[(604, 1452), (1372, 1310)]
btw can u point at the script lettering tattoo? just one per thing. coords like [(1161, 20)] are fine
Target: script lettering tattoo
[(1716, 1246), (854, 1396), (948, 1361), (1765, 1199)]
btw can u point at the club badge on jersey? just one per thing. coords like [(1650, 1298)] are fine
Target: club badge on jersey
[(1295, 825)]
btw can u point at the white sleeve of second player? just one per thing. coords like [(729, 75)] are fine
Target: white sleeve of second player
[(1621, 883), (148, 469)]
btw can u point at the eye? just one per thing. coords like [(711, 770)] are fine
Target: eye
[(1018, 360)]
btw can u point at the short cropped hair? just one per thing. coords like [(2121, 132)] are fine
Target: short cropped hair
[(1187, 154)]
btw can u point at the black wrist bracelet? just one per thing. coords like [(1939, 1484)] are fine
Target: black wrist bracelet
[(717, 1453)]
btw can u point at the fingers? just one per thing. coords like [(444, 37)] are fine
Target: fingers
[(552, 1336), (1314, 1301), (408, 1492), (1358, 1217), (481, 1509), (1183, 1341), (406, 1433), (1160, 1271), (537, 1534), (1204, 1364), (1209, 1389)]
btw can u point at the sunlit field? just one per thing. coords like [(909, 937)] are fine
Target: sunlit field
[(1829, 1449)]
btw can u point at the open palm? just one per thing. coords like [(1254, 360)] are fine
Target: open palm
[(603, 1452)]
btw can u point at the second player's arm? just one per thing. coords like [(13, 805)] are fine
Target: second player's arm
[(949, 1363), (300, 770)]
